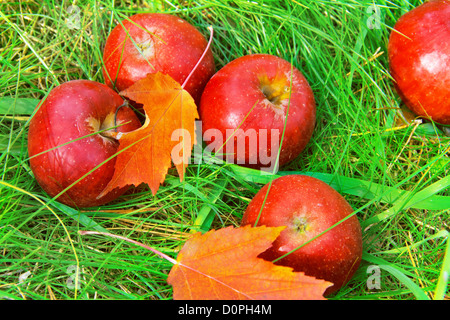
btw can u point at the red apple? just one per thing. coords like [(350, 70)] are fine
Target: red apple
[(244, 107), (151, 42), (307, 207), (419, 60), (73, 110)]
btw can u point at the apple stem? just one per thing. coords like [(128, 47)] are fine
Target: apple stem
[(159, 253), (124, 104), (211, 30)]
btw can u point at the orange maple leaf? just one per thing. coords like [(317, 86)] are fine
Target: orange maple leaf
[(224, 265), (146, 154)]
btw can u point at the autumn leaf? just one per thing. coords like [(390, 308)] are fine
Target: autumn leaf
[(168, 134), (223, 265)]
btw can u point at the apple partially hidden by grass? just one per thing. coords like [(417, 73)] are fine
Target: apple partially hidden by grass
[(151, 42), (419, 60), (64, 142), (307, 207), (247, 103)]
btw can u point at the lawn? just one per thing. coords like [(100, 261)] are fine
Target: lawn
[(391, 167)]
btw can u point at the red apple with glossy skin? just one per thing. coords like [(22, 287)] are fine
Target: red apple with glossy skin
[(307, 207), (251, 96), (73, 110), (419, 60), (153, 42)]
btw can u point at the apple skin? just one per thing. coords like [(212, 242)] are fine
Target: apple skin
[(168, 44), (308, 206), (419, 60), (70, 111), (258, 85)]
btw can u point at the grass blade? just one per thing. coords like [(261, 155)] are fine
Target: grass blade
[(441, 287), (13, 106), (425, 199)]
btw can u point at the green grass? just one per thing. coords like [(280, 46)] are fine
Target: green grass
[(393, 172)]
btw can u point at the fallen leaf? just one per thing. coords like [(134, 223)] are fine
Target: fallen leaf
[(223, 265), (168, 134)]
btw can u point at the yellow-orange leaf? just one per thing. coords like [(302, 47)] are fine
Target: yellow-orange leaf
[(223, 265), (168, 134)]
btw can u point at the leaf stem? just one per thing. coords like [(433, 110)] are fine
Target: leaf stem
[(159, 253), (210, 28)]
